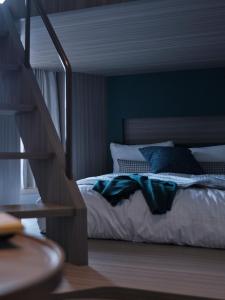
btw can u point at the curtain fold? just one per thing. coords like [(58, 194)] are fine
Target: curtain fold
[(53, 96), (48, 84)]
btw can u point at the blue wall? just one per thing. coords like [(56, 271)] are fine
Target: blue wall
[(183, 93)]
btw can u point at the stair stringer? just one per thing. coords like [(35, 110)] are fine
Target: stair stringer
[(38, 134)]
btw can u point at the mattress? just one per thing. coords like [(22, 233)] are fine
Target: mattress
[(197, 217)]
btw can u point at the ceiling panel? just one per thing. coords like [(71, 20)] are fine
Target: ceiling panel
[(135, 37), (17, 7)]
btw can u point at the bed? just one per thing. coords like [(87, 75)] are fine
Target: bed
[(197, 217)]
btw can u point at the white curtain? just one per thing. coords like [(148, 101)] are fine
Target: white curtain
[(48, 84)]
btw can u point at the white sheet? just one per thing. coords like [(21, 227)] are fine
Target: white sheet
[(197, 218)]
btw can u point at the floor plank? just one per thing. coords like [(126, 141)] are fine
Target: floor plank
[(174, 270), (158, 268)]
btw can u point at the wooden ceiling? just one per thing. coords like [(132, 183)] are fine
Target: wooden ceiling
[(136, 37), (54, 6)]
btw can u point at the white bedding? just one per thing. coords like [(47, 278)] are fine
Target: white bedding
[(197, 217)]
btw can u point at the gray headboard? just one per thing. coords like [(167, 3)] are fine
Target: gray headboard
[(181, 130)]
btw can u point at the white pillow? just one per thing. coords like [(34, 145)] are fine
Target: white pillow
[(130, 152), (209, 154)]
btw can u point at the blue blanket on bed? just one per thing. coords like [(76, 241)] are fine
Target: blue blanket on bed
[(158, 194)]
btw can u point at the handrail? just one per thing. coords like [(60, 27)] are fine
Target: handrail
[(68, 75)]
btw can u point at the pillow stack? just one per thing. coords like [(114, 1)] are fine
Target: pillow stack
[(159, 157), (130, 152)]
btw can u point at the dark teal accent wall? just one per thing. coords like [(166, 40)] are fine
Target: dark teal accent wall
[(183, 93)]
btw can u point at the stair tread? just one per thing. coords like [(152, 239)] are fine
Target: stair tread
[(25, 155), (10, 109), (38, 210), (9, 67)]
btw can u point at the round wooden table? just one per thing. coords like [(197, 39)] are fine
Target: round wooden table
[(30, 268)]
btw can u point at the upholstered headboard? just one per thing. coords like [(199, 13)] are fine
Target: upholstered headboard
[(182, 130)]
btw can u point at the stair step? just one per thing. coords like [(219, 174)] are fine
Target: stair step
[(10, 67), (27, 211), (11, 109), (25, 155)]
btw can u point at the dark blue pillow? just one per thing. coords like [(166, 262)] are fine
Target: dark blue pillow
[(171, 159)]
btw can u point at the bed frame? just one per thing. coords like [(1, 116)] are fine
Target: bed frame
[(188, 131), (158, 272)]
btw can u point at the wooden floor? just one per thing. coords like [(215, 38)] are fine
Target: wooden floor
[(159, 268), (174, 270)]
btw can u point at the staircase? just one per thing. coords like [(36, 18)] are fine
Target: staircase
[(21, 101)]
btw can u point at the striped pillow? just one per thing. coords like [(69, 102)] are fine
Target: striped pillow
[(213, 167), (133, 166)]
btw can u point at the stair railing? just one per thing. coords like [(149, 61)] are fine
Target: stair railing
[(68, 74)]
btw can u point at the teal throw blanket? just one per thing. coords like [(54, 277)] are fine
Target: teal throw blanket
[(158, 194)]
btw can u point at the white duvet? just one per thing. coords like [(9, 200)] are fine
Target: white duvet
[(197, 217)]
